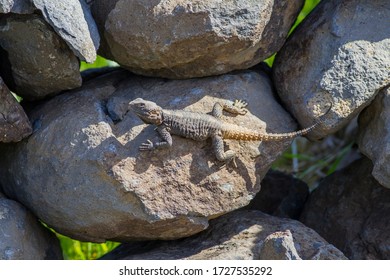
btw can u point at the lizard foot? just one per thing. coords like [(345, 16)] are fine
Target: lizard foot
[(227, 158), (227, 163), (146, 146), (239, 106)]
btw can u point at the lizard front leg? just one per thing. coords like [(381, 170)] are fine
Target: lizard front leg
[(163, 131), (220, 151), (236, 107)]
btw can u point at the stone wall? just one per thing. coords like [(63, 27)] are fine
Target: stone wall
[(69, 152)]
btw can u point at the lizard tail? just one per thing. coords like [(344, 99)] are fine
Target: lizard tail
[(240, 133)]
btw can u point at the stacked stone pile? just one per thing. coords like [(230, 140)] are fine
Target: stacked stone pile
[(78, 168)]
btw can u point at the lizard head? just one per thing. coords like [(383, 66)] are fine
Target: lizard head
[(148, 111)]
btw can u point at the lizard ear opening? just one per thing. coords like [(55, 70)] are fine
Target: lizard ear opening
[(156, 116)]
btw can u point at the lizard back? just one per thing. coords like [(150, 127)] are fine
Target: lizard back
[(193, 125)]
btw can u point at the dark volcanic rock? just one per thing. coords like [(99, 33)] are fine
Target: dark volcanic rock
[(241, 235), (72, 20), (79, 161), (40, 61), (281, 195), (14, 124), (351, 210), (374, 136), (340, 54), (185, 39), (16, 6), (22, 236)]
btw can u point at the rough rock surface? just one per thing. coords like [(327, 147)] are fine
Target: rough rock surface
[(164, 194), (279, 246), (281, 195), (16, 6), (351, 210), (72, 20), (374, 136), (185, 39), (14, 124), (236, 236), (339, 54), (22, 236), (41, 63)]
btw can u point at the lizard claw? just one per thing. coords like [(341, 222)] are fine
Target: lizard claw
[(240, 106), (146, 146), (227, 163), (240, 103), (234, 162)]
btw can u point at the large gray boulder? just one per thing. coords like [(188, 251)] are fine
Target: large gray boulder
[(185, 39), (374, 136), (22, 236), (40, 63), (241, 235), (73, 22), (81, 171), (340, 54), (351, 210), (14, 124)]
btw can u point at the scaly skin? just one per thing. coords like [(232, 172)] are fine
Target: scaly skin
[(201, 126)]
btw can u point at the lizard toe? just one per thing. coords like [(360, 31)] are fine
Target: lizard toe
[(240, 107), (146, 146)]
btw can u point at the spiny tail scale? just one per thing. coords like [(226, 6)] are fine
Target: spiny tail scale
[(235, 132)]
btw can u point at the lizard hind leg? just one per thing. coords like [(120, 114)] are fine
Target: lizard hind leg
[(236, 107), (225, 157)]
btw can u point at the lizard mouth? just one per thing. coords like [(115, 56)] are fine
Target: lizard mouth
[(148, 117), (145, 119)]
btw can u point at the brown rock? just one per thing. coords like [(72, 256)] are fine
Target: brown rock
[(374, 136), (351, 210), (186, 39), (14, 124), (79, 161), (279, 246), (340, 54), (241, 235)]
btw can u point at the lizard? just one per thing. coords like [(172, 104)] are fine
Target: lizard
[(201, 126)]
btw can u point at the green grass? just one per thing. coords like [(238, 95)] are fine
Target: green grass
[(77, 250), (17, 97), (98, 63), (314, 166), (307, 8)]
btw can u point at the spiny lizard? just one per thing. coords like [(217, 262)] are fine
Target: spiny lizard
[(201, 126)]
